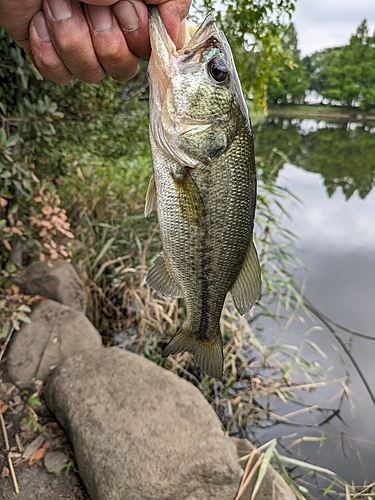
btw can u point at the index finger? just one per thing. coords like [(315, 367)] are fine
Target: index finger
[(15, 18)]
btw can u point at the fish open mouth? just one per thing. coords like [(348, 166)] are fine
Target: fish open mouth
[(194, 35), (163, 50)]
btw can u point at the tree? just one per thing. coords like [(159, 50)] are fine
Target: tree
[(346, 74), (289, 84), (317, 66)]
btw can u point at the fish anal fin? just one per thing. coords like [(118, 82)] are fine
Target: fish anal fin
[(207, 353), (160, 279), (150, 204), (246, 289)]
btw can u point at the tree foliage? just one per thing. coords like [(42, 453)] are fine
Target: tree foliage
[(47, 131), (289, 84), (346, 75), (316, 67)]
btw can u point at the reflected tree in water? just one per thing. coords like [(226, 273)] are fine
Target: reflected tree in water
[(342, 154)]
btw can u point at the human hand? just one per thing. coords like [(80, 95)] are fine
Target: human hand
[(88, 39)]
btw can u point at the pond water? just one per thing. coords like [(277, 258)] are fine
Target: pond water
[(332, 170)]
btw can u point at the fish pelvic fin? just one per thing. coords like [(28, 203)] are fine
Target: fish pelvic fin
[(159, 278), (246, 289), (207, 353)]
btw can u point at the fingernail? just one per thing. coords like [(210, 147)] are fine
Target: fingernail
[(126, 16), (100, 17), (61, 10), (41, 27)]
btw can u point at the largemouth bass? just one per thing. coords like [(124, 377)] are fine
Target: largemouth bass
[(203, 186)]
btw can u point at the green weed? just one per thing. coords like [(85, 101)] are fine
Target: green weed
[(66, 468)]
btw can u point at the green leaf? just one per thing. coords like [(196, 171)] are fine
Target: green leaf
[(10, 268), (317, 349), (329, 487), (24, 308), (34, 400), (5, 330), (103, 251), (307, 466), (16, 324), (23, 318), (303, 489), (264, 466)]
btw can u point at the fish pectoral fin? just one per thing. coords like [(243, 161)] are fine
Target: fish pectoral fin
[(189, 199), (207, 353), (246, 289), (160, 279), (150, 204)]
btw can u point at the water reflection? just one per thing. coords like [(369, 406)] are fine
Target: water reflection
[(343, 153), (330, 224), (333, 175)]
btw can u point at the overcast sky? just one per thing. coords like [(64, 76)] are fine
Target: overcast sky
[(329, 23)]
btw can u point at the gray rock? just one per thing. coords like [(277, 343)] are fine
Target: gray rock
[(139, 431), (54, 461), (57, 280), (273, 486), (55, 331)]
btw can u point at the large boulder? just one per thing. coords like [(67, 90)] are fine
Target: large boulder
[(139, 431), (55, 331), (57, 280)]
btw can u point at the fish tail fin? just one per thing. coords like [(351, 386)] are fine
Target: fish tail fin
[(207, 353)]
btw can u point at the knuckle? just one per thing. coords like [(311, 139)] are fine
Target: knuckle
[(68, 45)]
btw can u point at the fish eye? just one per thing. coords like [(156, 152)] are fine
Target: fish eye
[(218, 70)]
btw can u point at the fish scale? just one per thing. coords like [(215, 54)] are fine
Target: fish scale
[(203, 186)]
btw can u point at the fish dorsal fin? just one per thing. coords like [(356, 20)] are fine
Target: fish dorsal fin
[(160, 279), (246, 289), (150, 204)]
